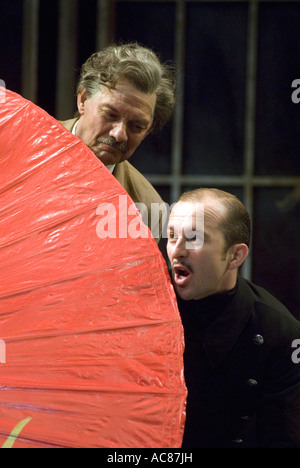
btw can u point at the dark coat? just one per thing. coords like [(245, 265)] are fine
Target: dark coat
[(244, 388)]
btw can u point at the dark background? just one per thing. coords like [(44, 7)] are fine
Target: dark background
[(214, 105)]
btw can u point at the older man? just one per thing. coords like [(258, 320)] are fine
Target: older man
[(241, 359), (124, 92)]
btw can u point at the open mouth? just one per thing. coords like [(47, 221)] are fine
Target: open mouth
[(181, 274)]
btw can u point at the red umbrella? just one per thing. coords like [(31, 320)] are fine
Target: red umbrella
[(91, 338)]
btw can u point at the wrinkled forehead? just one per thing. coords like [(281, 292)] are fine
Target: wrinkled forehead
[(126, 93), (186, 214), (208, 212)]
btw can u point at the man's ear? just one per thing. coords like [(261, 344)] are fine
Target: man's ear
[(238, 255), (81, 98)]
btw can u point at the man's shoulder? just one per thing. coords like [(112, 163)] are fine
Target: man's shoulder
[(270, 313), (264, 297), (135, 183), (127, 169), (68, 124)]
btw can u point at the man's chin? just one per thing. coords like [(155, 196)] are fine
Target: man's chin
[(108, 158), (183, 293)]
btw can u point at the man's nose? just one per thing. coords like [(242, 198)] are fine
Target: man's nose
[(119, 132), (180, 248)]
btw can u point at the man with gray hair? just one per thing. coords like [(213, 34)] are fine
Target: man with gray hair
[(124, 93)]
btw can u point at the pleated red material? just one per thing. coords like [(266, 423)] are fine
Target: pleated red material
[(90, 334)]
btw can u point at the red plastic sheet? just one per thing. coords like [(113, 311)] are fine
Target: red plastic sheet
[(91, 342)]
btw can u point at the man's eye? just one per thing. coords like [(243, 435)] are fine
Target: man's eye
[(194, 237), (195, 240), (172, 235), (136, 128), (110, 115), (191, 236)]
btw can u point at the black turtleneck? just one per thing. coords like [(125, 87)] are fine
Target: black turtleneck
[(197, 315), (241, 392)]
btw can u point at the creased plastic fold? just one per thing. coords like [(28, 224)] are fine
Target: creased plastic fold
[(90, 327)]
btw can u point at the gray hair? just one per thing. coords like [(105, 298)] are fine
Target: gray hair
[(139, 65)]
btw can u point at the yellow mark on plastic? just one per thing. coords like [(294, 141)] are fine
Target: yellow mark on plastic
[(15, 433)]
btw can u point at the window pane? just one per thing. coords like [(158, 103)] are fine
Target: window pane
[(164, 192), (48, 31), (151, 24), (276, 248), (278, 118), (87, 27), (215, 88), (11, 44)]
